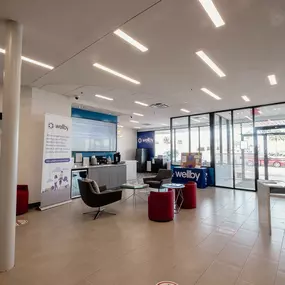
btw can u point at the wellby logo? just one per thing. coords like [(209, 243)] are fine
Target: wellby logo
[(61, 127), (187, 174), (147, 140)]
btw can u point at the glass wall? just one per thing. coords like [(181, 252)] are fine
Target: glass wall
[(244, 149), (246, 144), (180, 137), (162, 144), (223, 150)]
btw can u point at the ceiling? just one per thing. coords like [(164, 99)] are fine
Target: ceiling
[(72, 35)]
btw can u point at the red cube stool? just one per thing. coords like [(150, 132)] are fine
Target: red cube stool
[(22, 199), (161, 206), (189, 195)]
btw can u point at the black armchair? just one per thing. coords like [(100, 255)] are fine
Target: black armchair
[(97, 200), (163, 176)]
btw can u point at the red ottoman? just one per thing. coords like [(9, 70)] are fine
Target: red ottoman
[(22, 199), (161, 206), (189, 195)]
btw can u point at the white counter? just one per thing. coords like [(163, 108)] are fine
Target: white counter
[(264, 188)]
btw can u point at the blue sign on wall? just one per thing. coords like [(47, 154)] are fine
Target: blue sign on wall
[(145, 140), (184, 175)]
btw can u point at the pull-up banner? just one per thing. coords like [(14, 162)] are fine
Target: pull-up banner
[(56, 169)]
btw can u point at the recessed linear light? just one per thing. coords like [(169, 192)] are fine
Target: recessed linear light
[(185, 110), (120, 126), (245, 98), (137, 127), (272, 79), (207, 91), (212, 12), (164, 124), (102, 67), (130, 40), (135, 122), (32, 61), (210, 63), (138, 114), (141, 103), (248, 118), (104, 97)]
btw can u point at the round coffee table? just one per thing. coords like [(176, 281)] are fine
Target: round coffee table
[(179, 188)]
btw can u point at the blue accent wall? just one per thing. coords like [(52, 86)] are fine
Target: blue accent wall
[(90, 115), (146, 140), (84, 114)]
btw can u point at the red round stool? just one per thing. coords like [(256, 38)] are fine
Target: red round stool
[(22, 199), (161, 206), (189, 195)]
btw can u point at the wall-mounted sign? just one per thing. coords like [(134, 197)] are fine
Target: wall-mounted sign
[(145, 139)]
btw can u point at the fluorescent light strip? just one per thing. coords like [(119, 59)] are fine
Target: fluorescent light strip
[(104, 97), (136, 127), (120, 126), (272, 79), (141, 103), (207, 91), (102, 67), (130, 40), (135, 122), (164, 124), (185, 110), (32, 61), (248, 118), (210, 63), (138, 114), (212, 12), (245, 98)]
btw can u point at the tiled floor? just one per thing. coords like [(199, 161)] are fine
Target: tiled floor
[(219, 243)]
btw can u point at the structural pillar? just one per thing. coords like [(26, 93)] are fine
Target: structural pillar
[(9, 144)]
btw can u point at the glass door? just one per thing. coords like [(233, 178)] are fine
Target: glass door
[(271, 153)]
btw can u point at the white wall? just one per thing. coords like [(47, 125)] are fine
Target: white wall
[(34, 104), (127, 143)]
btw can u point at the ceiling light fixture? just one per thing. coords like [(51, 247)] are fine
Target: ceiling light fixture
[(185, 110), (104, 97), (272, 79), (245, 98), (141, 103), (135, 122), (120, 126), (207, 91), (210, 63), (164, 124), (212, 12), (102, 67), (130, 40), (248, 118), (137, 127), (32, 61), (138, 114)]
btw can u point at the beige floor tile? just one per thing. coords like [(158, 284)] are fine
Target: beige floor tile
[(245, 237), (215, 242), (219, 273), (234, 254), (280, 278), (242, 282), (281, 266), (259, 271)]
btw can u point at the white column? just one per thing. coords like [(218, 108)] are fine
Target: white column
[(9, 145)]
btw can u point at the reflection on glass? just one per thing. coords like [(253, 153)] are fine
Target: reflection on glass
[(162, 144), (180, 138), (244, 149), (223, 150)]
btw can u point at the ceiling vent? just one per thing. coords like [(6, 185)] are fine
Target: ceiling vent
[(159, 105)]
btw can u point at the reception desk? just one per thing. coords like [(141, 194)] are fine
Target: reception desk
[(111, 175)]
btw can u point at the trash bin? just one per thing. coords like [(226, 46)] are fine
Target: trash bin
[(22, 199)]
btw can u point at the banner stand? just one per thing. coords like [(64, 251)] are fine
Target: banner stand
[(57, 162), (55, 205)]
